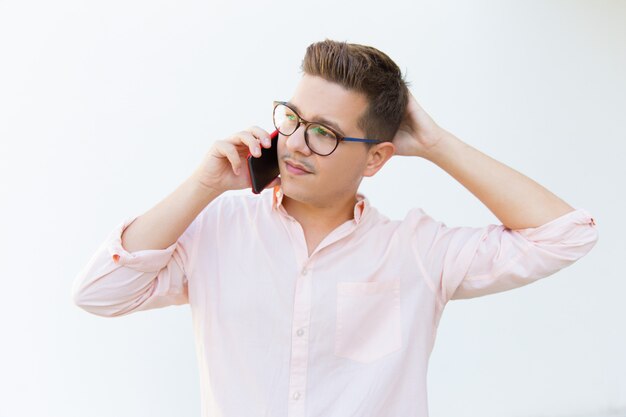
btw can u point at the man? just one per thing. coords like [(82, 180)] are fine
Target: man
[(307, 301)]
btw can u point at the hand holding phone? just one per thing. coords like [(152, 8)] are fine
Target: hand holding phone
[(222, 167), (264, 169)]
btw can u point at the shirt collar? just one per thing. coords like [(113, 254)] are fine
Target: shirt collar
[(360, 208)]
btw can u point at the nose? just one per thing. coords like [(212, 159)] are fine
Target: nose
[(296, 143)]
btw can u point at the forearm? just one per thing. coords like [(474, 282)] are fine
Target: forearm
[(163, 224), (516, 200)]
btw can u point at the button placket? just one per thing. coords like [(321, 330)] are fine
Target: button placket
[(298, 365)]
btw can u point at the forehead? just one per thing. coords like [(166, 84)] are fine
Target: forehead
[(317, 99)]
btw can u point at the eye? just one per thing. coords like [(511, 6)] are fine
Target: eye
[(321, 131)]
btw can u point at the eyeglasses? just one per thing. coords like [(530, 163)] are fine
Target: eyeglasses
[(320, 139)]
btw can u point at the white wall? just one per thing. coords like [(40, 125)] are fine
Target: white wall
[(105, 107)]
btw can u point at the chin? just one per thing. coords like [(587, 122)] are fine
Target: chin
[(296, 192), (289, 189)]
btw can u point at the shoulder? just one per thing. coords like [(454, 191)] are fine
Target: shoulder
[(415, 220), (420, 228), (420, 219)]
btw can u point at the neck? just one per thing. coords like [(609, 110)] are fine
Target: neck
[(332, 215)]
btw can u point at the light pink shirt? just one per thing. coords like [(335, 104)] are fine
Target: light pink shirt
[(347, 331)]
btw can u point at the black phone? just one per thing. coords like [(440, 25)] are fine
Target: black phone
[(264, 169)]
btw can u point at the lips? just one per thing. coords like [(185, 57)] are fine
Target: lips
[(296, 165)]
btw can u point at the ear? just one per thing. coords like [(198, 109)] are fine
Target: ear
[(377, 156)]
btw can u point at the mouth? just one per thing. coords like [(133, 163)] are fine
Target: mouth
[(296, 169)]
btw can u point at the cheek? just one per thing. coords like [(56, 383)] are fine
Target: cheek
[(342, 171), (280, 145), (280, 148)]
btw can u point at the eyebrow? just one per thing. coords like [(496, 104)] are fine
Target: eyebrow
[(320, 119)]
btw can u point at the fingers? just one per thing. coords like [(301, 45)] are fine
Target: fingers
[(252, 137), (230, 152), (261, 134), (247, 138)]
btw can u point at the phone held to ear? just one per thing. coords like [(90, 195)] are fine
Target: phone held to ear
[(264, 169)]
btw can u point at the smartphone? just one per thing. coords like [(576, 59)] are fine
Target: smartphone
[(264, 169)]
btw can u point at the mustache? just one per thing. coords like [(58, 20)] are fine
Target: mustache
[(306, 166)]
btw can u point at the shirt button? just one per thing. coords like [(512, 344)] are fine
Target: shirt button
[(305, 271), (300, 332), (296, 395)]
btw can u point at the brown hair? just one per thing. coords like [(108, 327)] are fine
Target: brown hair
[(363, 69)]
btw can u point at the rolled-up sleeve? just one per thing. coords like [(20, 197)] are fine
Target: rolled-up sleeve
[(468, 262), (116, 282)]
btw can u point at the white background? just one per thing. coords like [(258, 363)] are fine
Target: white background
[(105, 107)]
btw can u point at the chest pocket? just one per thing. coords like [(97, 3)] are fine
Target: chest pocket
[(368, 324)]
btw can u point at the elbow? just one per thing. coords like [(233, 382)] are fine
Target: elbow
[(588, 237), (78, 294), (575, 233), (581, 239), (82, 299)]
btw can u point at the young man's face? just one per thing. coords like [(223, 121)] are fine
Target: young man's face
[(335, 177)]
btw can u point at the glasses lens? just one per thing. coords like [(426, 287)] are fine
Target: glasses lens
[(321, 140), (285, 120)]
